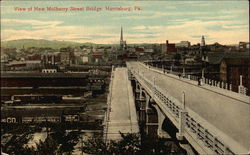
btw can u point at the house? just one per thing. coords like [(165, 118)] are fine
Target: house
[(84, 58), (244, 45), (183, 44), (97, 57), (51, 58), (66, 56), (216, 57)]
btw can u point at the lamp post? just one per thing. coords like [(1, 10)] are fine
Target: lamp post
[(183, 99)]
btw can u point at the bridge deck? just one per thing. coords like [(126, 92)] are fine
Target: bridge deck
[(226, 111), (123, 113)]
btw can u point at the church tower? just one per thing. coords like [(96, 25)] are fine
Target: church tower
[(203, 50), (203, 41), (122, 42)]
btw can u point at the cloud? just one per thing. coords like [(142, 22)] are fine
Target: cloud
[(234, 11), (157, 22), (188, 30), (52, 30), (235, 27), (148, 28), (221, 17), (192, 30), (35, 23)]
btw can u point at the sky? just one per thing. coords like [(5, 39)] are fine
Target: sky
[(226, 22)]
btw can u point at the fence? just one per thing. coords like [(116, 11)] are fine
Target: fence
[(200, 80)]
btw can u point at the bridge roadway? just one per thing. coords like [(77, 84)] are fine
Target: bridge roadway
[(122, 115), (226, 113)]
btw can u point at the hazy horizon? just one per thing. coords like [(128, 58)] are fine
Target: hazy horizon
[(106, 43), (225, 22)]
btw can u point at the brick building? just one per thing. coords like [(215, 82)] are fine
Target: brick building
[(232, 68), (168, 48)]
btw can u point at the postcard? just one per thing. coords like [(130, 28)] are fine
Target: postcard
[(125, 77)]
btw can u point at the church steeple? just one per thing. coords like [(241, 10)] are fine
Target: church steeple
[(122, 42)]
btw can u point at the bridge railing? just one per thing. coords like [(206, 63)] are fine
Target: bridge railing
[(202, 80), (208, 137), (107, 113), (157, 92), (193, 124)]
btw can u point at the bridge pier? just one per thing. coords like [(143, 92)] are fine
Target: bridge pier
[(161, 117), (141, 98), (137, 87), (151, 126), (140, 104), (147, 115), (141, 109), (151, 117)]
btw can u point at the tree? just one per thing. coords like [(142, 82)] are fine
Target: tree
[(67, 141), (154, 146), (95, 145), (129, 144), (48, 147), (17, 144)]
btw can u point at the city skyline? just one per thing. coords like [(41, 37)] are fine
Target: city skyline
[(225, 22)]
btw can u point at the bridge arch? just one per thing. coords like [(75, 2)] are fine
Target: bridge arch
[(152, 121), (169, 127)]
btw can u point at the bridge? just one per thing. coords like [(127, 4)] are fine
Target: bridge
[(209, 116), (121, 113), (213, 120)]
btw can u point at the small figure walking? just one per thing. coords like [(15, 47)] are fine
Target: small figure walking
[(179, 76), (199, 82)]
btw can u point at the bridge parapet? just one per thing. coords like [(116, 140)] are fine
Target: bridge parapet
[(205, 137), (203, 81), (107, 113)]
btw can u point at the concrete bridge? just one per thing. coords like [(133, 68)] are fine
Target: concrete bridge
[(213, 120), (121, 112)]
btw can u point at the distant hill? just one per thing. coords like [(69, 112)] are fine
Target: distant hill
[(41, 43)]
